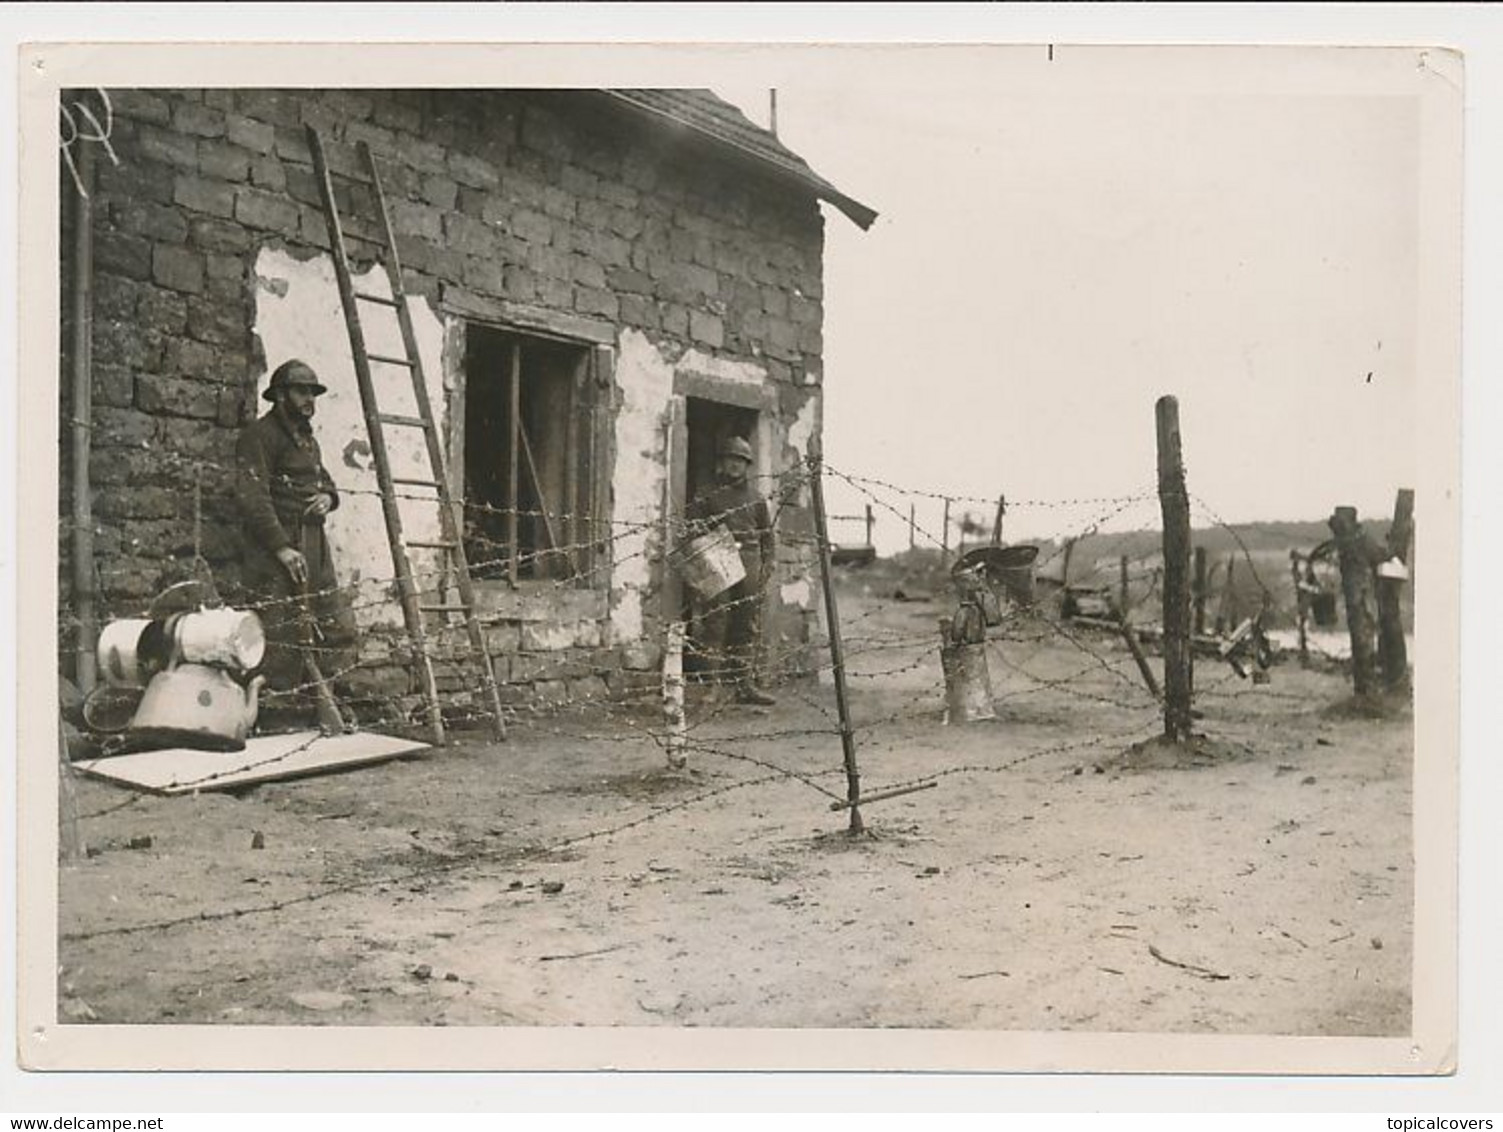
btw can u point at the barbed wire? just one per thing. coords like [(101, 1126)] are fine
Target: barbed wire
[(636, 539)]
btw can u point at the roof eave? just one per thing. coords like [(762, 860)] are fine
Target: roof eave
[(859, 214)]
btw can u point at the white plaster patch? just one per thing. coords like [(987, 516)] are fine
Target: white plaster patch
[(646, 381), (797, 593), (805, 427), (298, 315), (726, 369)]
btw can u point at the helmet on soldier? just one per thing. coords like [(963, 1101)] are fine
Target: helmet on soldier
[(290, 373), (736, 447)]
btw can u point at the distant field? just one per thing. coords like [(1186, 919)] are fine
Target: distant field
[(1258, 554)]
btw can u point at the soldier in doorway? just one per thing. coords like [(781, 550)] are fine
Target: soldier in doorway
[(731, 627), (283, 494)]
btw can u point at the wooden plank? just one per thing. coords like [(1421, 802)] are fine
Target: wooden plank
[(1129, 634), (180, 770)]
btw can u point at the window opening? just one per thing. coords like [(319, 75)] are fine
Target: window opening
[(528, 461)]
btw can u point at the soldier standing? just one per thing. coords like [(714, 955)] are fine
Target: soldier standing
[(283, 494), (732, 622)]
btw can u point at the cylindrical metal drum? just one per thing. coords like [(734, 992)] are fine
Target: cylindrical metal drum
[(224, 637), (121, 657)]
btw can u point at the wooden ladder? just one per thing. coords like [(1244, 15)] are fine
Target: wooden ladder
[(450, 541)]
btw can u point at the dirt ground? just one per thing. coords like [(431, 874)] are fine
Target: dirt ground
[(1052, 879)]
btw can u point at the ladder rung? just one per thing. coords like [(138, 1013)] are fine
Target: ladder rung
[(439, 544), (351, 298)]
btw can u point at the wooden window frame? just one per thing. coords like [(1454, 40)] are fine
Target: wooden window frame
[(589, 437)]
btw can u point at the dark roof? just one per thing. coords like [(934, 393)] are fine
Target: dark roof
[(714, 118)]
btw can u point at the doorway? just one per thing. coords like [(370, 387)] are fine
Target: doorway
[(708, 424)]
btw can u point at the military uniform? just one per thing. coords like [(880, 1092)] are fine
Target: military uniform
[(279, 469), (732, 620)]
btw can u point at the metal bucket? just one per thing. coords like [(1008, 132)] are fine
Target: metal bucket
[(1008, 569), (711, 562), (128, 652), (227, 638), (1014, 570)]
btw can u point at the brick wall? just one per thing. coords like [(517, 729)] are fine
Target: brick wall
[(553, 199)]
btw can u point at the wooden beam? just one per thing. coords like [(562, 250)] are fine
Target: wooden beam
[(537, 485), (507, 314)]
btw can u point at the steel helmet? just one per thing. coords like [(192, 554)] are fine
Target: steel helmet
[(292, 373), (738, 447)]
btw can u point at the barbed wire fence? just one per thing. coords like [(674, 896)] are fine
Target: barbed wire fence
[(1041, 655)]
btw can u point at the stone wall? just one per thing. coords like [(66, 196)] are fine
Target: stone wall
[(554, 201)]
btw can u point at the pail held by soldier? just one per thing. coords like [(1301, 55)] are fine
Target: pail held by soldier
[(731, 627)]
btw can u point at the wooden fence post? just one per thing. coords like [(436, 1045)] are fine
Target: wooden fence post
[(997, 526), (1356, 586), (837, 651), (1301, 607), (1174, 503), (1200, 590), (1226, 608), (1393, 654), (912, 528), (944, 536), (1122, 584), (674, 726)]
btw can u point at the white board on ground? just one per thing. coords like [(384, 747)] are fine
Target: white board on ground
[(180, 770)]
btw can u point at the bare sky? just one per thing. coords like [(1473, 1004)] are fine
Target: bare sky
[(1050, 259)]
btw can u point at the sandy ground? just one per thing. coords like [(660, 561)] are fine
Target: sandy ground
[(1051, 880)]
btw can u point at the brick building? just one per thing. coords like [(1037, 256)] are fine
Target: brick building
[(646, 265)]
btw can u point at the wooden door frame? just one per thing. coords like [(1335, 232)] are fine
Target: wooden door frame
[(761, 398)]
